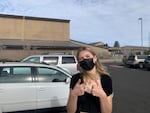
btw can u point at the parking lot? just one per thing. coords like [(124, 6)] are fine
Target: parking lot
[(131, 89)]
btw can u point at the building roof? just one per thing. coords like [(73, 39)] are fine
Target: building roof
[(38, 43), (97, 43), (33, 18), (137, 47)]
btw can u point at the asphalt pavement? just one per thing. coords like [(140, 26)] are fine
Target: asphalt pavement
[(131, 89)]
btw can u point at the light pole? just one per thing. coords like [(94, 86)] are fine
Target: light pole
[(149, 40), (141, 31)]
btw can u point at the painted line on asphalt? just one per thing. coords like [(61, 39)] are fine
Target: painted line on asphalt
[(116, 66)]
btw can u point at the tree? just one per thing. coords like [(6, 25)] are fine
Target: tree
[(116, 44), (146, 52)]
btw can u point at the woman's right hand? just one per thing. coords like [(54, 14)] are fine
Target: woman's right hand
[(78, 90)]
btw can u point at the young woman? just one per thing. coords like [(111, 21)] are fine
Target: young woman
[(90, 90)]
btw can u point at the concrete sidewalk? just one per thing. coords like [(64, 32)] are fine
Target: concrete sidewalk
[(111, 60)]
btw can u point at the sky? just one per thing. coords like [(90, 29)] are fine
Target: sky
[(92, 21)]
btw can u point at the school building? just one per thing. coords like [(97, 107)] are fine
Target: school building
[(21, 36)]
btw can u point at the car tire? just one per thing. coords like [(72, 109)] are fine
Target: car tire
[(141, 66)]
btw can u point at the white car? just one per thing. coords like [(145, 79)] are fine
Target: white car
[(30, 86), (68, 62)]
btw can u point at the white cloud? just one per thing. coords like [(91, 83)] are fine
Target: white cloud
[(91, 20)]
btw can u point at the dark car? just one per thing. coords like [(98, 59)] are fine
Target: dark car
[(147, 63)]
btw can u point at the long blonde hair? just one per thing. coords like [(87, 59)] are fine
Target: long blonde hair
[(99, 67)]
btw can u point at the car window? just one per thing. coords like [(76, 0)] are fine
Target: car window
[(15, 75), (131, 57), (4, 71), (21, 70), (50, 75), (51, 60), (46, 71), (67, 60), (141, 56), (33, 59)]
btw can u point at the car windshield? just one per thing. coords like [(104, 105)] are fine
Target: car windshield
[(131, 57), (32, 59)]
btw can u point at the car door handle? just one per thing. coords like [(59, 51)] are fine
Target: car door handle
[(41, 89), (1, 90)]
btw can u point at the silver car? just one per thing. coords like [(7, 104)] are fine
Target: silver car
[(136, 60)]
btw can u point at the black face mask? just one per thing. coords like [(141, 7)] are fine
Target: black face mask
[(87, 64)]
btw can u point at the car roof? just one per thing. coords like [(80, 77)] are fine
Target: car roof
[(27, 64), (33, 65), (20, 64), (49, 55), (137, 55)]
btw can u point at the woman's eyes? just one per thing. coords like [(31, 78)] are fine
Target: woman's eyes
[(86, 57)]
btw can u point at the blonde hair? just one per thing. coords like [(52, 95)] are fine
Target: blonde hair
[(99, 67)]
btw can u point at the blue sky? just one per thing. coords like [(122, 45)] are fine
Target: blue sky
[(91, 20)]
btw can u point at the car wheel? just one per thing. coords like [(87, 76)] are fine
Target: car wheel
[(141, 65), (148, 69)]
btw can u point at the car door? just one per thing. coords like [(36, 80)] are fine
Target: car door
[(52, 90), (17, 90), (52, 60)]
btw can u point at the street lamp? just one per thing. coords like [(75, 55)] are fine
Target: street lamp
[(141, 31)]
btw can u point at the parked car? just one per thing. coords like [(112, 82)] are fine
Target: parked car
[(136, 60), (65, 61), (31, 86), (147, 63)]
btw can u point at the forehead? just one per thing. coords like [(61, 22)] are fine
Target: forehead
[(85, 53)]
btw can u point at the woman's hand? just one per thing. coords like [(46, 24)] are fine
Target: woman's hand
[(78, 90), (97, 89)]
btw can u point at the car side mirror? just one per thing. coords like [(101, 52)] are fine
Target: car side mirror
[(68, 79)]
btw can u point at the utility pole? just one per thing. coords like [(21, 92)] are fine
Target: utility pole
[(141, 31), (149, 40)]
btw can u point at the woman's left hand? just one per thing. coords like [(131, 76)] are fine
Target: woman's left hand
[(97, 89)]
